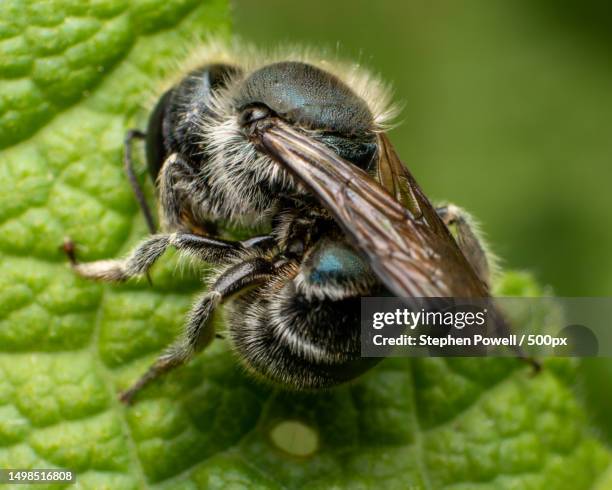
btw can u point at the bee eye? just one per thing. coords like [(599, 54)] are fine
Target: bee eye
[(173, 125)]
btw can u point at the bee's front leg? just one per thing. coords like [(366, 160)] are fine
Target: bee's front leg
[(199, 330), (174, 175), (174, 172)]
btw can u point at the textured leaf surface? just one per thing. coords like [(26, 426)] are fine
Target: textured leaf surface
[(73, 77)]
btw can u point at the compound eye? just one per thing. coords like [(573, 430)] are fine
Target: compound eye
[(173, 124), (155, 148)]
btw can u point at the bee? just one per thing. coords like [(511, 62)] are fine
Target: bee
[(297, 144)]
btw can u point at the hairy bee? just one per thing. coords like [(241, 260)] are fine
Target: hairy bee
[(298, 144)]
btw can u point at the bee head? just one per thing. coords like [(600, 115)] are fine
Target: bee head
[(206, 117)]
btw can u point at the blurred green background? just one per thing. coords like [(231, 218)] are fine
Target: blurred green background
[(507, 111)]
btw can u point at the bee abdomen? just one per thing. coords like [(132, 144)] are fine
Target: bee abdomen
[(299, 343)]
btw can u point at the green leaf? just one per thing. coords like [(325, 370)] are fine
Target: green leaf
[(73, 77)]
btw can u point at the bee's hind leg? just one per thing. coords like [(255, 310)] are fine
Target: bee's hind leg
[(469, 239), (199, 330)]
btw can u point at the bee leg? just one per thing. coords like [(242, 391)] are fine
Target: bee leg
[(128, 164), (142, 258), (467, 235), (174, 168), (199, 330), (469, 239), (175, 171)]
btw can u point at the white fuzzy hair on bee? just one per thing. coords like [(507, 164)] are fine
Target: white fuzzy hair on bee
[(367, 85)]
